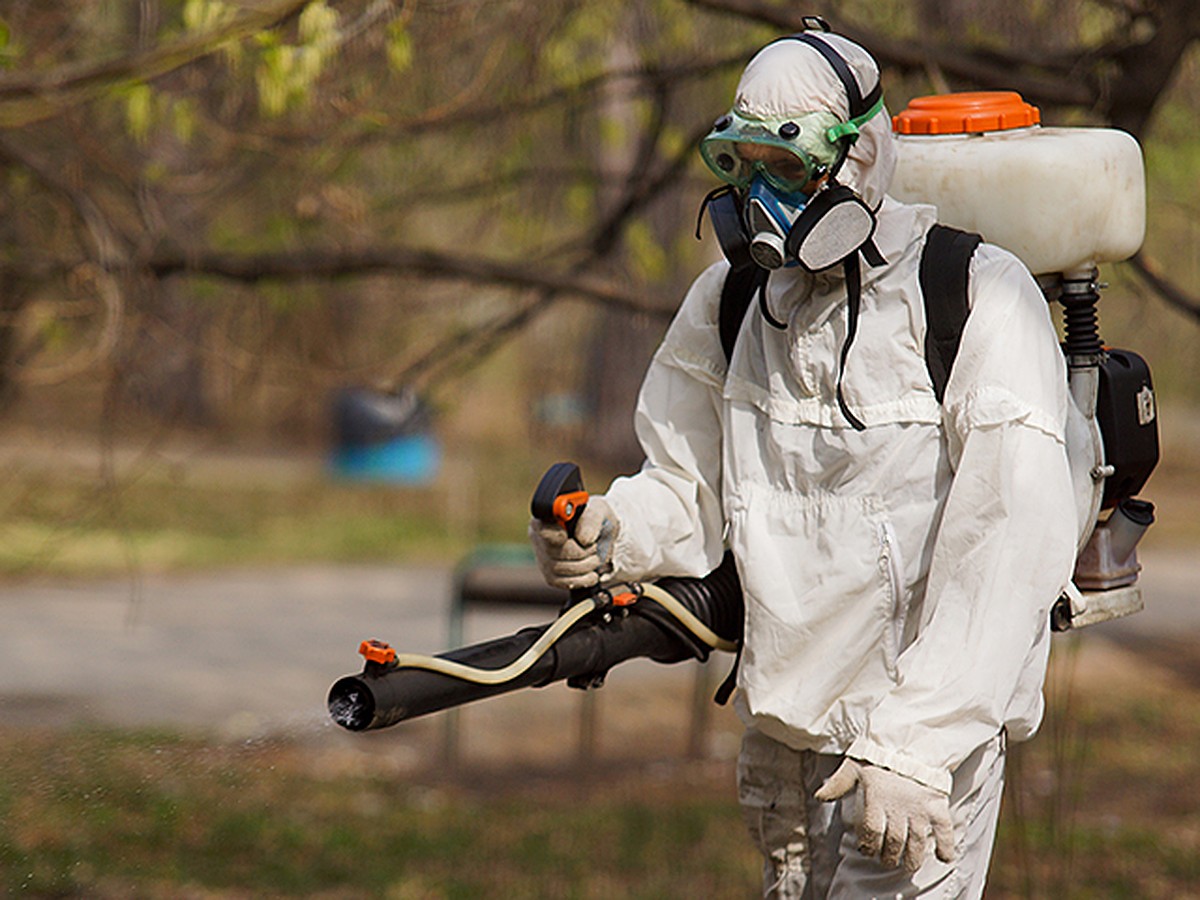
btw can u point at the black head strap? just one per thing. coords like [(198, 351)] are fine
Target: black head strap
[(858, 104)]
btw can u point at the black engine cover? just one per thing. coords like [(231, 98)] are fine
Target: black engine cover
[(1128, 417)]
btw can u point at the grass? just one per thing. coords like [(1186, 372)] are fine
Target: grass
[(125, 814), (1100, 804), (66, 520), (1103, 802)]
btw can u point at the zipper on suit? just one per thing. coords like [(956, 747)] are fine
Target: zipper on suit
[(889, 548)]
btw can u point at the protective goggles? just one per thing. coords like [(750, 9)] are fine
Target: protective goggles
[(814, 142)]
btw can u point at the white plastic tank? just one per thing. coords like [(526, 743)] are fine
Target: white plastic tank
[(1061, 199)]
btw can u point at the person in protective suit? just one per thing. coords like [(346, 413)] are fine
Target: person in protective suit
[(898, 556)]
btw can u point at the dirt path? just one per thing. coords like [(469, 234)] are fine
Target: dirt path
[(237, 650)]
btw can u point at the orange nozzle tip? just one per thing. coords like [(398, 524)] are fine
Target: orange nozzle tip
[(376, 651)]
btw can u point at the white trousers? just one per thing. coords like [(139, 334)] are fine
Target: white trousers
[(809, 853)]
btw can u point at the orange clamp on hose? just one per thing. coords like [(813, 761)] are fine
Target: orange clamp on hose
[(566, 505), (377, 652), (628, 598)]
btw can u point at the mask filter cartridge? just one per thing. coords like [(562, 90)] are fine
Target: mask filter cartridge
[(837, 223), (770, 215)]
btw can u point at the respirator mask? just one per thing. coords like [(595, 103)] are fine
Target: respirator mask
[(778, 169)]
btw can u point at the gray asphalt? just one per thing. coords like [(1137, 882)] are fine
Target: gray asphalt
[(244, 652)]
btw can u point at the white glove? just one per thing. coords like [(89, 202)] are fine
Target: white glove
[(576, 562), (898, 814)]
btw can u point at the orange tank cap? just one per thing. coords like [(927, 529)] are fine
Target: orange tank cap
[(967, 112)]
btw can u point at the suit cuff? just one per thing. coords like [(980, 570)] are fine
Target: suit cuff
[(867, 750)]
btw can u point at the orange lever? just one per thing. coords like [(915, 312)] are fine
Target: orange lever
[(565, 506)]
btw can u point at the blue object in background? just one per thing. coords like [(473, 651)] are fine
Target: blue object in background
[(383, 437)]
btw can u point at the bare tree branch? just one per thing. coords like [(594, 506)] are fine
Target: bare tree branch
[(643, 192), (649, 77), (1146, 67), (1152, 275), (968, 64), (458, 353), (334, 264), (108, 248), (27, 97)]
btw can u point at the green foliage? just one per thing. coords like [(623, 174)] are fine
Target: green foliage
[(646, 252), (399, 46), (183, 119), (323, 131), (1173, 148), (1098, 21), (208, 15), (146, 108), (287, 73), (139, 105), (672, 142), (583, 46), (580, 202), (614, 135), (8, 52)]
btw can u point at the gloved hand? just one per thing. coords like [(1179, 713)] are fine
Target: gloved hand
[(898, 814), (576, 562)]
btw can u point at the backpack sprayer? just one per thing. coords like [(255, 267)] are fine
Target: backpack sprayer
[(1061, 199)]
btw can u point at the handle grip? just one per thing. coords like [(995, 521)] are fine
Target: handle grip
[(560, 496)]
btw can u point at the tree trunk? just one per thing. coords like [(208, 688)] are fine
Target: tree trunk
[(161, 370), (622, 343), (13, 294)]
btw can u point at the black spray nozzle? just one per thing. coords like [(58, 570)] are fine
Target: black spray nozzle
[(385, 693)]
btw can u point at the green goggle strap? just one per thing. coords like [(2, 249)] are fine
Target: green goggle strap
[(851, 129)]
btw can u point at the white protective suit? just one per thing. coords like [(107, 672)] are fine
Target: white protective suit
[(897, 580)]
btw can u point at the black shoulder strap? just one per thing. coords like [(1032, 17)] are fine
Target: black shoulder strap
[(945, 267), (736, 294)]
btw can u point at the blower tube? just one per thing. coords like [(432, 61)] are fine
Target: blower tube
[(675, 619)]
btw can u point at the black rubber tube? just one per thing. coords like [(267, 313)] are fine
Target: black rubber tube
[(380, 696)]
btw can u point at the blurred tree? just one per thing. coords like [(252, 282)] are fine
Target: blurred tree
[(181, 175), (1112, 58)]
